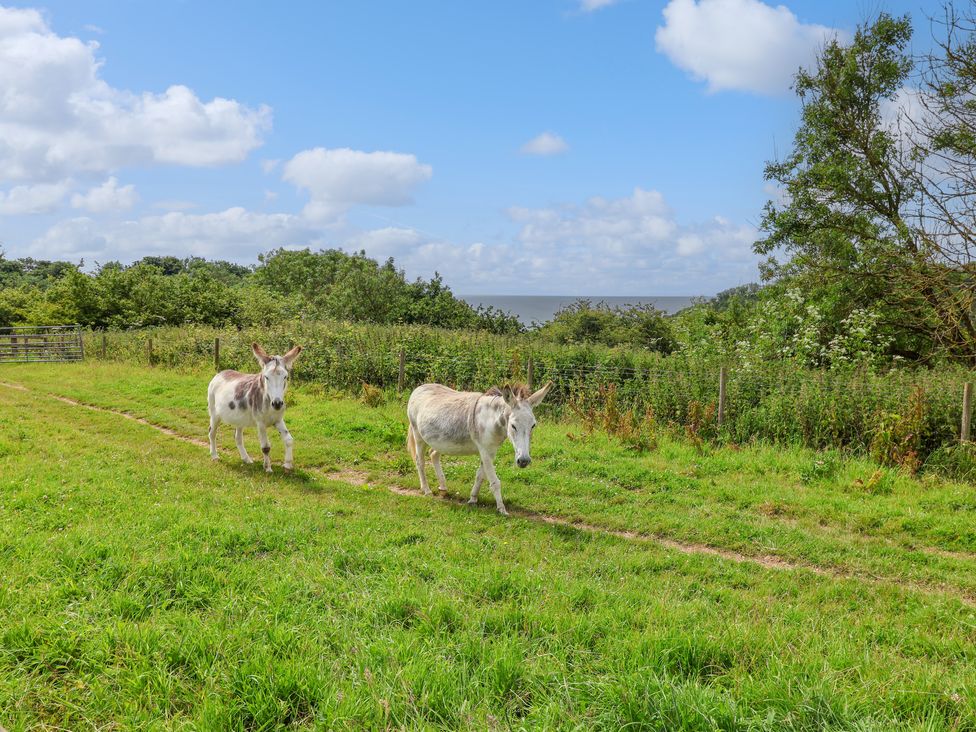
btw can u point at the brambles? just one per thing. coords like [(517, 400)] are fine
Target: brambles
[(897, 435), (700, 424), (601, 411), (371, 396)]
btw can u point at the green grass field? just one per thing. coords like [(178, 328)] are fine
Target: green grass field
[(143, 586)]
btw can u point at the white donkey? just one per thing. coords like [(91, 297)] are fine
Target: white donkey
[(467, 422), (246, 400)]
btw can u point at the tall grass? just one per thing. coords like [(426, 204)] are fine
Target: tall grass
[(778, 402)]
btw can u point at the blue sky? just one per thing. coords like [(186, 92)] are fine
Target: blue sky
[(583, 147)]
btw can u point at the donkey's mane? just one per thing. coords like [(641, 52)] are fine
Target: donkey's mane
[(520, 391)]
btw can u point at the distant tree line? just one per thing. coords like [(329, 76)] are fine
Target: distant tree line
[(284, 285)]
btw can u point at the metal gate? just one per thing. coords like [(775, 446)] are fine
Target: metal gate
[(41, 343)]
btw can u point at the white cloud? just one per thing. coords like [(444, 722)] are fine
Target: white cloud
[(338, 179), (628, 245), (106, 197), (58, 118), (40, 198), (744, 45), (776, 193), (690, 245), (234, 233), (643, 216), (268, 165), (631, 244), (588, 6), (547, 143)]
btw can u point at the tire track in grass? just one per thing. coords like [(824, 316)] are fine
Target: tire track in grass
[(767, 561), (119, 413)]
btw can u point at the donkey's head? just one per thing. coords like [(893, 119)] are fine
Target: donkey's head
[(275, 371), (521, 420)]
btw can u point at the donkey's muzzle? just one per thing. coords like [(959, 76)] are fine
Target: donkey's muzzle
[(523, 461), (277, 403)]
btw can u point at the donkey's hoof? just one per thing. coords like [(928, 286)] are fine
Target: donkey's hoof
[(503, 511), (215, 457), (268, 470), (472, 501), (442, 488), (247, 461), (288, 468)]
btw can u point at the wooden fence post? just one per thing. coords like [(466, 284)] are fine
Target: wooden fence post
[(402, 374), (967, 398), (216, 353), (721, 395), (104, 346), (149, 351), (529, 373)]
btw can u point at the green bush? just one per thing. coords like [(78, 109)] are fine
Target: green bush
[(641, 326)]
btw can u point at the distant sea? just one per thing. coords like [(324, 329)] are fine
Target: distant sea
[(540, 308)]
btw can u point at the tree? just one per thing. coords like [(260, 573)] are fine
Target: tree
[(856, 218)]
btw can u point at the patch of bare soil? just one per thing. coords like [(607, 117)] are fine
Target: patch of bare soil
[(346, 475)]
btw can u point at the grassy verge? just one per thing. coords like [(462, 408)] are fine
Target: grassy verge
[(147, 587)]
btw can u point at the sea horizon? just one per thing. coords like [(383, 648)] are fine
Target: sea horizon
[(541, 308)]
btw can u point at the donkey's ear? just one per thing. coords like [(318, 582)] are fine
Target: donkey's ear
[(539, 395), (509, 395), (260, 354), (289, 358)]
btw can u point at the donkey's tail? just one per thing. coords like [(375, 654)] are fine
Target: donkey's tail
[(411, 442), (211, 399)]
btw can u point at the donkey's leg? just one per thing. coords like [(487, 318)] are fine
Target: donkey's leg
[(265, 446), (239, 439), (214, 423), (488, 464), (435, 458), (419, 446), (289, 442), (478, 480)]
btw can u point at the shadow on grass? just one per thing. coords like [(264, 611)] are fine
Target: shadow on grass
[(296, 477)]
